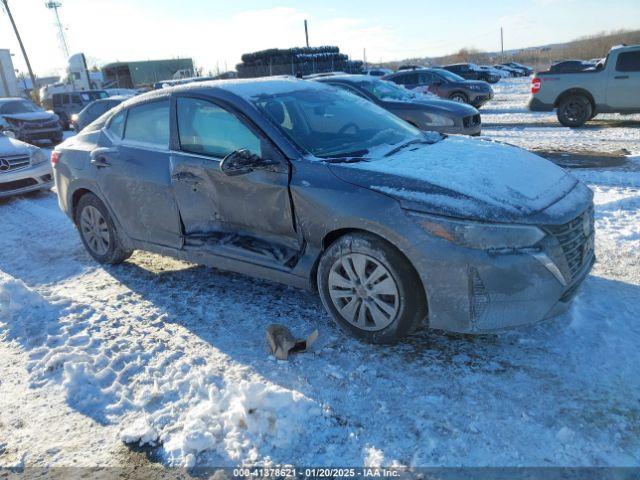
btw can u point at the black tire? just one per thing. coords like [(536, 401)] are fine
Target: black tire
[(115, 252), (459, 97), (410, 304), (574, 111)]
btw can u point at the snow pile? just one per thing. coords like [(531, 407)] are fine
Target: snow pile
[(241, 421), (23, 312)]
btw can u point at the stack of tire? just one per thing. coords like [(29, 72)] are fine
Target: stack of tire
[(296, 61)]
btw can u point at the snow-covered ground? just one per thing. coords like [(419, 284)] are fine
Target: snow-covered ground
[(173, 355)]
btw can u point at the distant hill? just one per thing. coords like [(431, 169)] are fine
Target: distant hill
[(540, 57)]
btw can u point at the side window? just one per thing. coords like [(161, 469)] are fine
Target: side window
[(76, 99), (208, 129), (628, 62), (116, 126), (425, 78), (149, 123), (408, 79), (57, 100)]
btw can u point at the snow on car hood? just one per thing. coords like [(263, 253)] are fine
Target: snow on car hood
[(13, 146), (462, 177)]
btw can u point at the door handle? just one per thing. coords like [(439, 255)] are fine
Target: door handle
[(187, 177), (621, 77), (100, 162), (99, 156)]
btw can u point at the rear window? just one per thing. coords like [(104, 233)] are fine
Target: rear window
[(628, 62), (149, 124)]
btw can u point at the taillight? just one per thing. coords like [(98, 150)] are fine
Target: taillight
[(55, 156), (535, 85)]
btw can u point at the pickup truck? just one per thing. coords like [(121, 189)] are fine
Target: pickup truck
[(612, 86)]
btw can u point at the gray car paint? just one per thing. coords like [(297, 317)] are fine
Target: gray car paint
[(445, 88), (298, 206), (413, 111)]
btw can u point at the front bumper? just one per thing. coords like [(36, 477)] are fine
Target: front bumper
[(536, 105), (475, 291), (480, 99), (29, 135), (37, 177)]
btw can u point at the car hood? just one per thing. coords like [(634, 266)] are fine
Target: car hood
[(30, 116), (12, 146), (468, 178), (456, 109)]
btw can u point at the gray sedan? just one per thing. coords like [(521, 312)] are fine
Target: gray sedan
[(302, 183), (23, 167), (424, 111)]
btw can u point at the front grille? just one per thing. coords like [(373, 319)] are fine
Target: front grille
[(18, 184), (576, 240), (39, 124), (471, 120), (14, 162)]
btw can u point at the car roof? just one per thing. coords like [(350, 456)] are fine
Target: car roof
[(12, 99), (348, 78), (247, 88)]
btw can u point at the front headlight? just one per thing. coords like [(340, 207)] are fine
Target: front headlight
[(37, 156), (483, 236), (436, 120), (475, 87)]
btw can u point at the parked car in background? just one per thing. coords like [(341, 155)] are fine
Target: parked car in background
[(512, 72), (444, 84), (66, 104), (28, 122), (121, 92), (518, 66), (495, 71), (378, 72), (302, 183), (471, 71), (410, 67), (612, 87), (94, 110), (426, 112), (23, 167), (571, 66)]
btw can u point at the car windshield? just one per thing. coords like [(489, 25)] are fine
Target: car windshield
[(452, 77), (19, 106), (388, 91), (90, 96), (333, 123)]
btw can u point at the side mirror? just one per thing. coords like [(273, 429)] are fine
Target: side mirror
[(9, 133), (241, 162)]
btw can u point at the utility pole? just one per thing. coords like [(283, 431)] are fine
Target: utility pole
[(501, 44), (34, 91), (306, 33), (53, 5), (364, 57)]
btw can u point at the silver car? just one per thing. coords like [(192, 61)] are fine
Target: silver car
[(303, 183), (23, 167)]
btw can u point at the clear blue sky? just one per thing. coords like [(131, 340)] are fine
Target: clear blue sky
[(215, 33)]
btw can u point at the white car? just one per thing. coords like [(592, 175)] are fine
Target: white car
[(23, 167)]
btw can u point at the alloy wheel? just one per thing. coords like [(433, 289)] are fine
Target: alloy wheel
[(364, 292), (95, 230)]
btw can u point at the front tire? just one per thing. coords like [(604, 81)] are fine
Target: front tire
[(574, 111), (98, 232), (459, 97), (370, 289)]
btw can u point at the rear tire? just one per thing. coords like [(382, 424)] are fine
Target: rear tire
[(98, 232), (370, 289), (574, 111)]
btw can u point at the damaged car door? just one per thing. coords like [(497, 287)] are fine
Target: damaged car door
[(231, 185)]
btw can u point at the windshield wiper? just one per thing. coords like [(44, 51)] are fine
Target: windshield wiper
[(347, 157), (405, 145)]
